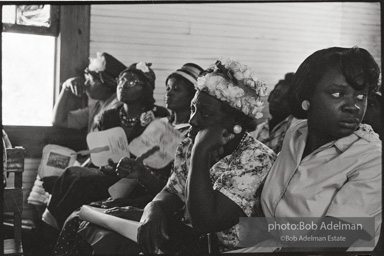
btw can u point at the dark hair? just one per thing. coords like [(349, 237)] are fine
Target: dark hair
[(287, 79), (356, 64), (190, 85), (147, 95)]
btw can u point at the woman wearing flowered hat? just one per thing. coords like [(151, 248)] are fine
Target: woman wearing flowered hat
[(219, 167), (99, 84), (217, 170)]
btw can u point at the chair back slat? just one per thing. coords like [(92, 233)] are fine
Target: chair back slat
[(15, 159), (13, 198)]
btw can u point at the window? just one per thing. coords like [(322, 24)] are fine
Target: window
[(28, 65), (28, 79)]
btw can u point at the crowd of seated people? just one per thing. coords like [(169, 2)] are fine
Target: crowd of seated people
[(180, 91), (328, 162)]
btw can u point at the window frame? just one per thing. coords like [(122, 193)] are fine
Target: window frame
[(72, 52)]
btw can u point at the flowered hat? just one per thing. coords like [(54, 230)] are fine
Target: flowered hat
[(189, 71), (143, 70), (106, 67), (238, 85)]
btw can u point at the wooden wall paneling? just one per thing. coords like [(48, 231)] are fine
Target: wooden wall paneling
[(273, 38)]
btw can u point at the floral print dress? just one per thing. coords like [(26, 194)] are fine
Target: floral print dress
[(237, 176)]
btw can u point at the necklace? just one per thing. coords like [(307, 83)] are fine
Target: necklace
[(127, 122), (236, 149)]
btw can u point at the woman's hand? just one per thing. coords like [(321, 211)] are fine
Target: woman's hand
[(153, 230), (127, 212), (129, 168), (212, 140), (75, 85), (213, 137), (109, 169)]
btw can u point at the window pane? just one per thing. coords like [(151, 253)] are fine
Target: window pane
[(28, 79), (29, 15), (9, 14), (34, 15)]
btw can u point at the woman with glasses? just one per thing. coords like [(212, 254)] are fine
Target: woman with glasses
[(81, 185), (135, 91)]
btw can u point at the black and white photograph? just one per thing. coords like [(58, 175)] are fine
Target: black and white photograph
[(273, 117)]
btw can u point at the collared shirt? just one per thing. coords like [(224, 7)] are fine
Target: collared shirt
[(237, 176), (340, 179), (90, 115), (273, 139)]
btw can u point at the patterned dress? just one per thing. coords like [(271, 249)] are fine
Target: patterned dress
[(237, 176), (273, 139)]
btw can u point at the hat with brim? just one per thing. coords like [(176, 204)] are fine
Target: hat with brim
[(189, 71)]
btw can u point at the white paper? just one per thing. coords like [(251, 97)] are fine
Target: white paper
[(111, 143), (55, 159), (158, 133)]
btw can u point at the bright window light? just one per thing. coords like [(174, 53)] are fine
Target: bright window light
[(28, 79)]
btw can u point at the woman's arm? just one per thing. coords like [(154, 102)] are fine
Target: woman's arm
[(153, 230), (68, 100), (135, 169), (209, 210)]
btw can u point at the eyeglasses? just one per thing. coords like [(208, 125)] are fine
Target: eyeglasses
[(129, 83)]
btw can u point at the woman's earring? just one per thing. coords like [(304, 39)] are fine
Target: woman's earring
[(305, 105), (237, 129)]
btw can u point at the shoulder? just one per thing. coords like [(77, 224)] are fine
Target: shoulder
[(112, 112), (160, 111), (109, 118), (366, 132), (256, 149)]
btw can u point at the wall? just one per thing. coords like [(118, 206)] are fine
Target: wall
[(274, 38)]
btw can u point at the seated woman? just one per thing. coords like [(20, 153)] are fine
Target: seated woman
[(374, 114), (83, 185), (330, 164), (272, 131), (180, 91), (216, 172)]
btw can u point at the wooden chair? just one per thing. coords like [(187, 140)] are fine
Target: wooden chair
[(13, 199)]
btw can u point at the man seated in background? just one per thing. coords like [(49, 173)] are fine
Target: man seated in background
[(272, 131)]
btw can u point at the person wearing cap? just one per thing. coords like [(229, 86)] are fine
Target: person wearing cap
[(82, 185), (272, 131), (217, 170), (180, 91), (99, 84)]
